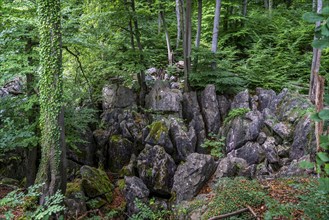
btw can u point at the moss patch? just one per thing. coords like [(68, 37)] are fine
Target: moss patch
[(157, 128)]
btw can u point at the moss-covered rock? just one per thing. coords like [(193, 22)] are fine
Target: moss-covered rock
[(95, 183), (159, 135), (120, 151)]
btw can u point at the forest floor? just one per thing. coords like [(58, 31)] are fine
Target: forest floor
[(284, 196)]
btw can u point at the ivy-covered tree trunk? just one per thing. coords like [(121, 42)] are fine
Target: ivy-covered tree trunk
[(52, 167)]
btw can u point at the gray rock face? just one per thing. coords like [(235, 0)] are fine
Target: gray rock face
[(224, 106), (163, 99), (102, 140), (242, 129), (184, 141), (241, 100), (192, 112), (115, 96), (230, 166), (266, 99), (294, 169), (210, 109), (251, 152), (119, 152), (156, 168), (192, 175), (134, 189), (95, 183), (159, 135), (270, 150), (304, 138), (291, 106)]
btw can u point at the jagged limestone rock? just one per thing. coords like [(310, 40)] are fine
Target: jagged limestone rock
[(156, 168), (192, 175), (119, 152)]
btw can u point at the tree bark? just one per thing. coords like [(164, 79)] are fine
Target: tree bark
[(244, 8), (178, 16), (266, 4), (270, 6), (141, 74), (198, 33), (319, 106), (315, 62), (31, 152), (52, 169), (170, 58), (187, 44), (215, 30)]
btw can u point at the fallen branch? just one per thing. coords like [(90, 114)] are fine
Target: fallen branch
[(253, 212), (229, 214)]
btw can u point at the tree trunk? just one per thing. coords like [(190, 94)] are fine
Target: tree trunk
[(266, 4), (198, 33), (319, 92), (178, 16), (187, 44), (270, 6), (31, 152), (141, 75), (170, 60), (52, 169), (244, 8), (215, 30), (315, 62)]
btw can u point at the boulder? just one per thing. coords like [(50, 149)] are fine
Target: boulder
[(230, 166), (266, 99), (270, 150), (115, 96), (184, 140), (224, 106), (75, 199), (192, 113), (251, 152), (163, 99), (241, 100), (134, 189), (119, 152), (159, 135), (294, 169), (304, 139), (129, 170), (101, 138), (242, 129), (192, 175), (96, 184), (156, 168), (210, 109)]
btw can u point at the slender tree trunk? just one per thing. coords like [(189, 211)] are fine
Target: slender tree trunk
[(319, 91), (315, 62), (314, 3), (167, 37), (159, 22), (52, 169), (266, 4), (178, 16), (270, 6), (32, 151), (215, 30), (244, 7), (141, 75), (198, 33), (187, 44)]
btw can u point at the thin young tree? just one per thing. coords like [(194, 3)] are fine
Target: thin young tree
[(215, 31), (187, 44), (52, 169)]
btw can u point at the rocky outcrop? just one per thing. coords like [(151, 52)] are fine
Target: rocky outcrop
[(163, 99), (242, 129), (119, 152), (115, 96), (156, 168), (210, 109), (192, 175), (96, 186), (134, 189)]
